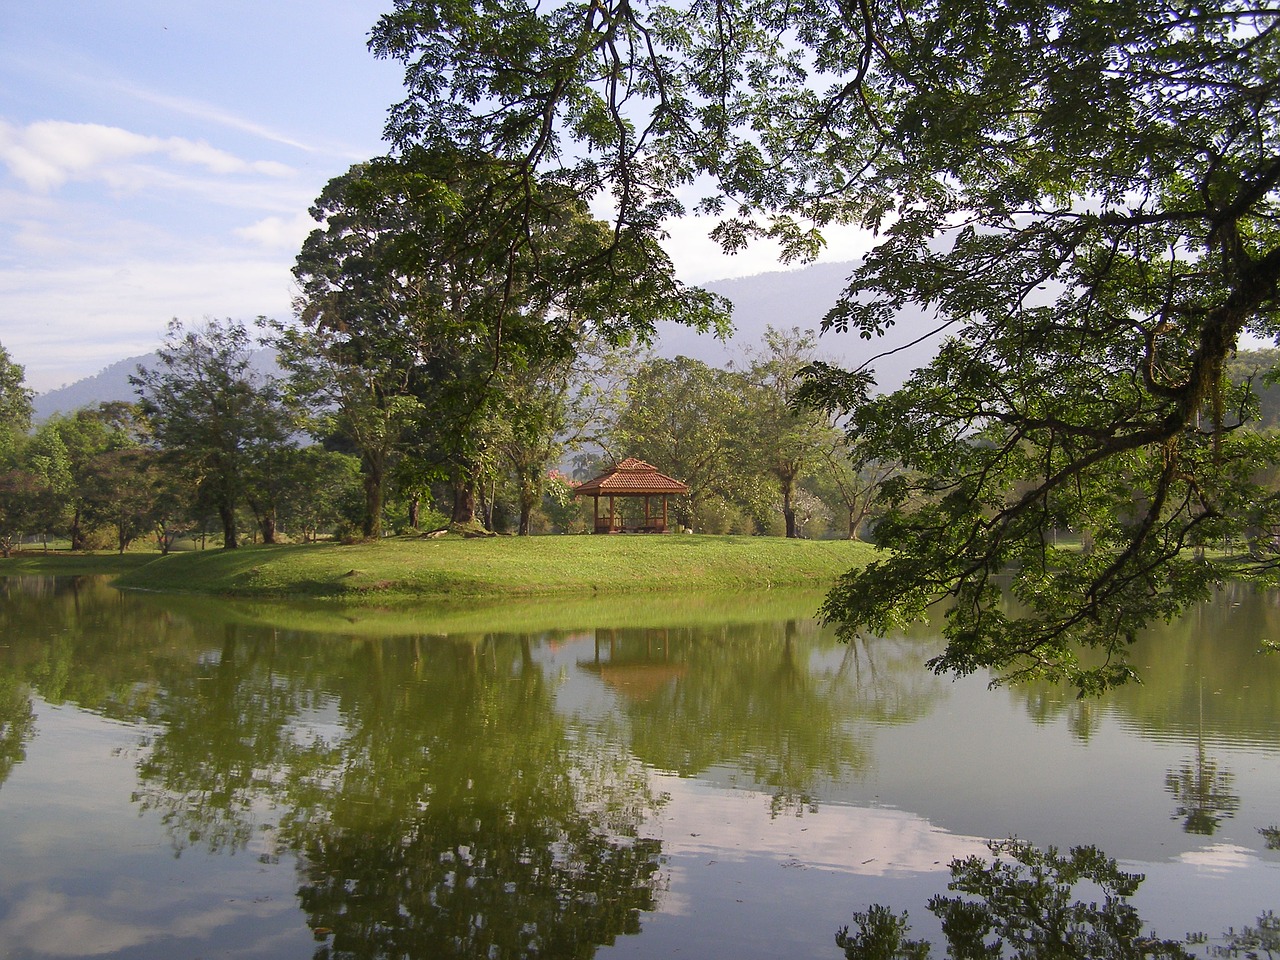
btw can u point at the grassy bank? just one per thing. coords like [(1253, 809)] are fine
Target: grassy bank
[(452, 568), (63, 563), (477, 617)]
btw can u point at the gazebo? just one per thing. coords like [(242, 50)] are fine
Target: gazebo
[(631, 478)]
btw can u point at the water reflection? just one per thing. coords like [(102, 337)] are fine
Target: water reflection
[(17, 723), (1206, 675), (552, 791), (436, 802), (457, 816), (1203, 794), (762, 699)]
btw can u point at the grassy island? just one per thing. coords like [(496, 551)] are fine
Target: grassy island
[(496, 567)]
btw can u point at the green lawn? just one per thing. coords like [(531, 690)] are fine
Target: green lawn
[(66, 564), (456, 568)]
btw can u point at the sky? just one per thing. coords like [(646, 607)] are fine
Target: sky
[(157, 161)]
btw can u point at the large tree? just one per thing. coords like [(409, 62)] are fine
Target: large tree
[(686, 418), (88, 435), (785, 436), (1084, 195), (19, 488), (440, 273), (216, 418)]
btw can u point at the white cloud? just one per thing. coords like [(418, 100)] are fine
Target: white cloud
[(63, 324), (281, 233), (208, 112), (1220, 858), (48, 153), (699, 259), (200, 153)]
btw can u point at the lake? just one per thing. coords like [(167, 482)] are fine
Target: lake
[(711, 777)]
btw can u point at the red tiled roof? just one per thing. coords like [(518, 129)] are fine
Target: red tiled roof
[(631, 477)]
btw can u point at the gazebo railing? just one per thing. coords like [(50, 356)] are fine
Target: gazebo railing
[(619, 525)]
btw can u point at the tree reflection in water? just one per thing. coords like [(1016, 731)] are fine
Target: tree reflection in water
[(1021, 904), (437, 797), (1202, 790), (459, 816), (750, 698), (1203, 793), (17, 724), (437, 803)]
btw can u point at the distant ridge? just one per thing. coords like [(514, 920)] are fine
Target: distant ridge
[(112, 383), (799, 298), (783, 298)]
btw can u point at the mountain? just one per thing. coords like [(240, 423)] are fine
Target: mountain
[(783, 299), (801, 298), (112, 383)]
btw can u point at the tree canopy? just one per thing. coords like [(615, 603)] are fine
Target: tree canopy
[(442, 280), (1083, 195), (15, 404), (217, 420)]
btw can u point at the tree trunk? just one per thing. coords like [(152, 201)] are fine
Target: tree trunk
[(415, 511), (529, 494), (266, 519), (78, 541), (227, 513), (464, 502), (371, 524), (788, 511)]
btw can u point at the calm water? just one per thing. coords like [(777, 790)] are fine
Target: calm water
[(194, 780)]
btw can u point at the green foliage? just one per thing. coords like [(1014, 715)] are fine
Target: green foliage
[(1256, 941), (131, 491), (738, 437), (444, 298), (20, 496), (782, 436), (880, 934), (21, 489), (1023, 908), (15, 406), (685, 418), (325, 493), (46, 458), (90, 436), (565, 511), (1084, 196), (219, 424)]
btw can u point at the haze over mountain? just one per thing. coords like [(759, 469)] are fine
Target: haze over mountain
[(783, 299), (801, 298), (112, 383)]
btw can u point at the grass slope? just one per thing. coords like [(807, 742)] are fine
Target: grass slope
[(64, 564), (475, 618), (455, 568)]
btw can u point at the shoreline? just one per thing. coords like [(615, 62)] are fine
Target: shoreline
[(460, 569)]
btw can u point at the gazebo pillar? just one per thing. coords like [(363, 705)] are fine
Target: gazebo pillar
[(631, 478)]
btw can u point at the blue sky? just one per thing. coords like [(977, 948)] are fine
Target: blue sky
[(157, 160)]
